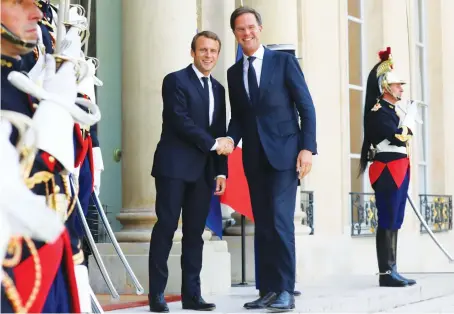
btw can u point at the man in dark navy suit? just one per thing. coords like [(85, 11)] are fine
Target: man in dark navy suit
[(189, 166), (273, 112)]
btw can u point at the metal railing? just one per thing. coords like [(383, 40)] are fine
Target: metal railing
[(307, 206), (364, 214), (436, 211)]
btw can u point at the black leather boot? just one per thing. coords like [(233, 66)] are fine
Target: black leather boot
[(387, 260), (411, 282)]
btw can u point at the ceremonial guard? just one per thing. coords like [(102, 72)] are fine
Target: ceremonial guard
[(54, 287), (88, 160), (388, 128)]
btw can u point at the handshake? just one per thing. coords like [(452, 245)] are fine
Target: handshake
[(225, 146)]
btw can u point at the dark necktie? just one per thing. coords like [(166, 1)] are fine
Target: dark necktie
[(206, 94), (206, 91), (252, 82)]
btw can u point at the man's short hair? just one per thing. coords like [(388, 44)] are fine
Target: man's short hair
[(243, 10), (207, 34)]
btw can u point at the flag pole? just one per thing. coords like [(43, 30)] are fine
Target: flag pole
[(243, 282), (243, 251)]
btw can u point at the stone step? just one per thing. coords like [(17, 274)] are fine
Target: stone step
[(337, 294)]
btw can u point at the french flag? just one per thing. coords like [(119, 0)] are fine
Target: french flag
[(236, 195)]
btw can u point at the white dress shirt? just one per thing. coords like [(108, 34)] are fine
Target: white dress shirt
[(210, 89)]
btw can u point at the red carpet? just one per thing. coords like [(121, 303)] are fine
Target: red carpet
[(126, 305)]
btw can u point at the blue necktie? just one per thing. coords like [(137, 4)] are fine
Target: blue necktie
[(252, 82)]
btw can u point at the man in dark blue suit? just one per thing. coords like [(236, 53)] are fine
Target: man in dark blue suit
[(189, 166), (268, 96)]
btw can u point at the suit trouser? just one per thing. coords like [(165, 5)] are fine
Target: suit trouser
[(273, 197), (172, 197)]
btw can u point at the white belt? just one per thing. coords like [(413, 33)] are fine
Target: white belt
[(386, 147)]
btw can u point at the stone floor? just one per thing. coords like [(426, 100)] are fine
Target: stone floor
[(354, 294)]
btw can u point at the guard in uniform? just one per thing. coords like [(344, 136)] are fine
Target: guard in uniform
[(82, 140), (85, 147), (88, 158), (388, 128), (43, 275)]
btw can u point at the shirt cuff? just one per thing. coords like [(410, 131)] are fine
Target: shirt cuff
[(221, 176), (215, 145)]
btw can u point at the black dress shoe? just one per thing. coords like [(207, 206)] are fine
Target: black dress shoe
[(284, 302), (261, 302), (157, 303), (197, 303)]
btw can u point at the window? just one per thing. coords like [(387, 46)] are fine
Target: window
[(421, 93), (357, 87)]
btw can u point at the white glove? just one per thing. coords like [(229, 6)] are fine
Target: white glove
[(37, 73), (53, 123), (26, 213), (98, 166), (87, 85), (71, 45), (410, 118), (62, 83)]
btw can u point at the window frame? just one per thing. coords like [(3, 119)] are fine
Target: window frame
[(420, 40), (366, 187)]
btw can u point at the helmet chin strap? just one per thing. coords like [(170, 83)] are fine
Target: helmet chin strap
[(389, 91), (16, 40)]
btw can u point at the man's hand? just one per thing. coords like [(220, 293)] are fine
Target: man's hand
[(304, 163), (225, 146), (221, 183)]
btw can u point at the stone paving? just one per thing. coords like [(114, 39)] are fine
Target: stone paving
[(434, 293), (437, 305)]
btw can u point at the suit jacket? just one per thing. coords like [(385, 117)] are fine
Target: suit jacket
[(184, 150), (273, 119)]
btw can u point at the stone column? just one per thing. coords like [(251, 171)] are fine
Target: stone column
[(152, 48)]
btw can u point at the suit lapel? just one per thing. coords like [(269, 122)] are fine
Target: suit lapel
[(204, 107), (268, 65), (239, 74)]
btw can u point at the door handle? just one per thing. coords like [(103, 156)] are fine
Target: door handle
[(117, 155)]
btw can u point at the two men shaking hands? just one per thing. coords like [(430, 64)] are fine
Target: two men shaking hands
[(225, 146)]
